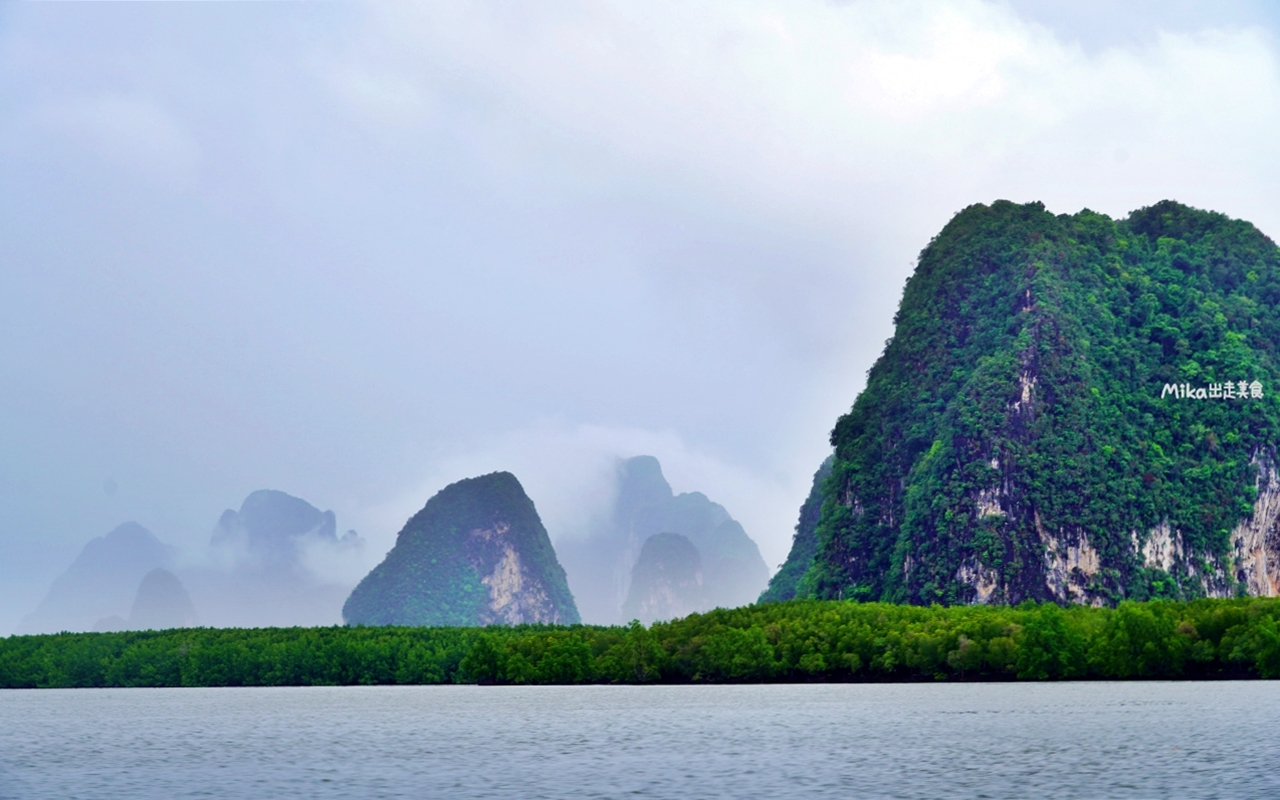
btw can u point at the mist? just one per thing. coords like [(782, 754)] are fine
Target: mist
[(356, 252)]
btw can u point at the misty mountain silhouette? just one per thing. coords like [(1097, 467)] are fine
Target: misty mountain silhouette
[(162, 602), (666, 581), (258, 573), (101, 582), (600, 566), (269, 525)]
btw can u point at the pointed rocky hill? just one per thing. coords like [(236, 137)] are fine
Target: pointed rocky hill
[(476, 554), (271, 525), (666, 581), (1072, 408)]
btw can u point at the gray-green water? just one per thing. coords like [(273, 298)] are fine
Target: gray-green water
[(1083, 740)]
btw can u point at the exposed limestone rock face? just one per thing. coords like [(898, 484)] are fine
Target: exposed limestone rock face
[(983, 579), (1070, 563), (1255, 542), (476, 554), (1073, 409), (666, 581), (1163, 548)]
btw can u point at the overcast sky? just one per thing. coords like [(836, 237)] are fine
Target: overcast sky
[(357, 252)]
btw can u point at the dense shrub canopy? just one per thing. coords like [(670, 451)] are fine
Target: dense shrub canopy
[(800, 640)]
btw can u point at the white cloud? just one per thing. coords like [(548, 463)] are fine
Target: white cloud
[(568, 471), (859, 127), (790, 109), (406, 233)]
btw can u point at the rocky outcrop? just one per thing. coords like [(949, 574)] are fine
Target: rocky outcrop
[(1071, 564), (600, 566), (666, 581), (476, 554), (1255, 542)]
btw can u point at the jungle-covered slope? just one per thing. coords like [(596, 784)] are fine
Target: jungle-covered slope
[(804, 545), (1058, 416)]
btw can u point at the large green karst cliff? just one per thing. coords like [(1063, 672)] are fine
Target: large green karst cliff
[(1072, 408), (476, 554)]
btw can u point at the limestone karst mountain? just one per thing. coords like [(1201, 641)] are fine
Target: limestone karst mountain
[(261, 570), (600, 566), (666, 581), (782, 586), (100, 583), (1072, 408), (162, 602), (476, 554)]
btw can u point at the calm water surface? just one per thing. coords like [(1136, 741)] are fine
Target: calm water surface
[(1082, 740)]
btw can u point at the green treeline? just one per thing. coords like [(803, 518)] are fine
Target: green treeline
[(802, 640)]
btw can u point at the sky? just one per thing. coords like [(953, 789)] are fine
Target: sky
[(356, 252)]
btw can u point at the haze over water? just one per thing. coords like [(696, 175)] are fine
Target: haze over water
[(1072, 740)]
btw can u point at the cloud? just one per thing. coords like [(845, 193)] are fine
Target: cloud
[(569, 472), (372, 249), (787, 107)]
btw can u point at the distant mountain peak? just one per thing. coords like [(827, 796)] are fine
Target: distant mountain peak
[(666, 581), (271, 521), (601, 566), (162, 602)]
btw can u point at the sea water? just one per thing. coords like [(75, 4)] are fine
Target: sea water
[(1068, 740)]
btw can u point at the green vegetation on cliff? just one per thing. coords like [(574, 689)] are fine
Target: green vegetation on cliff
[(476, 554), (1016, 440), (800, 640), (804, 545)]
